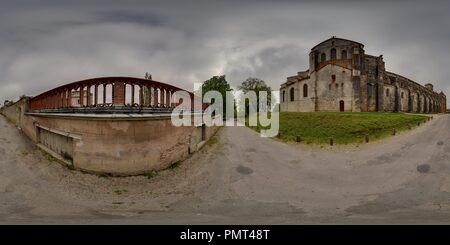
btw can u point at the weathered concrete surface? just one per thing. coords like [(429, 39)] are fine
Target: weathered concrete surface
[(241, 178), (119, 144)]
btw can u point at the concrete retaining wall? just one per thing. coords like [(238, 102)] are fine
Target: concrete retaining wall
[(116, 145)]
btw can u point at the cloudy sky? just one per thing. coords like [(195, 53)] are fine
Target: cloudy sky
[(49, 43)]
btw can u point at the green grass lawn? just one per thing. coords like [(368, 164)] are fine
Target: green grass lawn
[(345, 128)]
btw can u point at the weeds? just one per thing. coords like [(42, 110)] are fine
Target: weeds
[(120, 192), (150, 174), (175, 165)]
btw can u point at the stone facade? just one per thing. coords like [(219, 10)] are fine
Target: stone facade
[(341, 77)]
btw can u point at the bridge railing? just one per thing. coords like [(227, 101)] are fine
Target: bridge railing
[(112, 92)]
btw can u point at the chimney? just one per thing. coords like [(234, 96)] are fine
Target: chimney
[(429, 86)]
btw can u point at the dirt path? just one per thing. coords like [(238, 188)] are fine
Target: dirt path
[(241, 178)]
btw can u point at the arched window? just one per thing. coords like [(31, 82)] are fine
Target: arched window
[(305, 90), (387, 92), (333, 54), (292, 94), (284, 95), (323, 57), (344, 54)]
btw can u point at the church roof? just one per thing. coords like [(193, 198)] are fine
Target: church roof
[(336, 38)]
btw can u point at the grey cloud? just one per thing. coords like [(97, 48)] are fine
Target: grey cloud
[(47, 43)]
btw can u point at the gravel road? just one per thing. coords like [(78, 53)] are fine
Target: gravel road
[(241, 178)]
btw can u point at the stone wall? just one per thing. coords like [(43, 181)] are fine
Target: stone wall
[(389, 99), (300, 102), (416, 98), (15, 113), (333, 86), (116, 145)]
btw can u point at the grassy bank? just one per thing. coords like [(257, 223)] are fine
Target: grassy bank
[(345, 128)]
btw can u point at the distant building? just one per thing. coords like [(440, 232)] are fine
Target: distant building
[(76, 98), (341, 77)]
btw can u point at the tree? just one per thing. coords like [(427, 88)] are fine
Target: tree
[(145, 93), (219, 84), (7, 103), (25, 97), (257, 85)]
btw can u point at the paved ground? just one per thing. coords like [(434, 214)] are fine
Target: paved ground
[(240, 178)]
